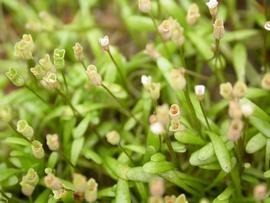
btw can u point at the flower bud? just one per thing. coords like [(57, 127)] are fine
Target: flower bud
[(235, 129), (52, 182), (146, 81), (178, 35), (90, 193), (113, 137), (154, 91), (181, 199), (78, 51), (157, 187), (25, 129), (79, 182), (59, 58), (267, 26), (193, 14), (27, 189), (5, 113), (175, 125), (105, 43), (163, 114), (166, 28), (25, 47), (151, 51), (218, 29), (29, 181), (200, 91), (212, 6), (259, 192), (46, 63), (239, 89), (153, 199), (235, 110), (226, 90), (177, 79), (266, 81), (169, 199), (37, 149), (50, 81), (15, 77), (58, 194), (93, 75), (144, 6), (174, 111), (52, 142), (157, 128), (247, 110)]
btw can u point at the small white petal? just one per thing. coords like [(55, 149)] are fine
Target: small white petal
[(146, 80), (199, 90), (104, 41), (157, 128), (247, 109), (267, 26), (212, 4)]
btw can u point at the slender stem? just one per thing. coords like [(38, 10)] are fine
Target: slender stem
[(65, 82), (83, 64), (124, 150), (15, 130), (204, 115), (160, 143), (181, 49), (170, 148), (36, 94), (66, 159)]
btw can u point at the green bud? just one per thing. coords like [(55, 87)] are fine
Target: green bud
[(90, 193), (25, 129), (113, 137), (29, 181), (5, 113), (181, 199), (50, 81), (15, 77), (58, 58), (37, 149), (25, 47), (52, 142)]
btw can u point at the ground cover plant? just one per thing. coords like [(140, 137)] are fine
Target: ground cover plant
[(134, 101)]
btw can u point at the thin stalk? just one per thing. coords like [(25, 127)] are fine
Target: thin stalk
[(160, 143), (170, 148), (83, 64), (129, 113), (204, 115), (36, 94), (217, 58), (181, 50), (124, 150), (65, 82), (267, 155), (66, 159), (15, 130)]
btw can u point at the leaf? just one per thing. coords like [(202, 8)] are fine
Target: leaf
[(256, 143), (224, 197), (203, 156), (7, 172), (52, 160), (90, 154), (177, 147), (82, 127), (221, 152), (138, 174), (157, 167), (261, 125), (107, 192), (188, 137), (118, 169), (17, 140), (43, 197), (140, 23), (76, 147), (122, 192), (239, 61), (239, 35)]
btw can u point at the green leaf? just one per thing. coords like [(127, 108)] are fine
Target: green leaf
[(239, 61), (188, 137), (261, 125), (203, 156), (221, 152), (138, 174), (17, 140), (76, 147), (256, 143), (224, 197), (82, 127), (157, 167), (52, 160), (120, 170), (122, 192), (177, 147), (140, 23), (90, 154), (7, 172)]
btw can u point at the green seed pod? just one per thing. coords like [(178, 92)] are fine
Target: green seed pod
[(59, 58), (15, 77), (25, 129), (37, 149)]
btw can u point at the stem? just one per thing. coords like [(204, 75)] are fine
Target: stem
[(83, 64), (160, 143), (65, 82), (267, 154), (124, 150), (204, 115), (37, 95), (181, 50), (66, 159), (170, 148), (15, 130)]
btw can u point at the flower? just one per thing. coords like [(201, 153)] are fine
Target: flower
[(177, 79), (25, 129), (218, 29), (259, 192), (25, 47), (212, 6), (157, 187), (157, 128), (235, 110), (200, 91), (78, 51), (105, 43), (267, 26), (46, 63), (181, 199), (166, 28), (154, 91), (90, 192), (169, 199), (175, 125), (59, 58), (162, 113), (178, 35), (265, 83), (144, 6), (15, 77), (226, 90), (79, 182), (52, 182), (52, 142), (235, 129), (93, 75), (29, 182), (50, 81), (174, 111), (247, 110), (153, 199), (5, 113), (193, 14), (37, 149), (113, 137), (146, 81), (239, 89), (151, 51)]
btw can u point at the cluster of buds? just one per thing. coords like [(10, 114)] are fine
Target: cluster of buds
[(52, 141), (193, 14), (213, 7), (199, 91), (151, 51), (59, 58), (16, 78), (151, 87), (229, 92), (113, 137), (105, 43), (5, 113), (25, 47), (177, 79), (174, 113), (93, 75), (144, 6), (259, 192), (55, 184), (25, 129), (29, 182), (218, 29), (160, 120), (170, 29), (37, 149), (265, 83), (78, 51)]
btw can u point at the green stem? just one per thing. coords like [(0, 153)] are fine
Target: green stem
[(66, 159), (36, 94), (124, 150), (160, 143), (267, 154), (170, 148), (65, 83), (204, 115)]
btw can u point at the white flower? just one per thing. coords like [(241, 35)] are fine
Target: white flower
[(157, 128), (267, 26), (144, 6), (104, 42), (247, 109), (212, 4), (146, 80), (199, 90)]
